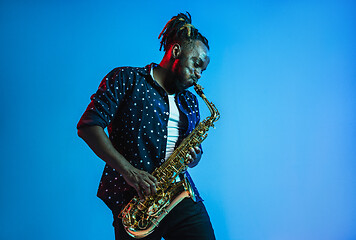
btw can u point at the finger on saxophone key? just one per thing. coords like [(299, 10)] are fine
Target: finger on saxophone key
[(149, 187), (197, 150), (194, 152)]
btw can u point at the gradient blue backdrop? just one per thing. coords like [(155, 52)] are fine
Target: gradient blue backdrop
[(280, 164)]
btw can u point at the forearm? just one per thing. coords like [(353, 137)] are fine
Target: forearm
[(101, 145), (98, 141)]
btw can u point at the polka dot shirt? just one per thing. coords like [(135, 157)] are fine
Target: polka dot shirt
[(135, 110)]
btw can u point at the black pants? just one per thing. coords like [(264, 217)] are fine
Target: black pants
[(187, 221)]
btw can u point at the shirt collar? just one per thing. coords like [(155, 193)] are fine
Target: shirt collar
[(147, 69)]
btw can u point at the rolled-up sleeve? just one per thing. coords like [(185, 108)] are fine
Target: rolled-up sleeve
[(105, 102)]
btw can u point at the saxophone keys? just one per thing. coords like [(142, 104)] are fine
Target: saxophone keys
[(143, 223), (140, 205), (160, 201), (152, 209)]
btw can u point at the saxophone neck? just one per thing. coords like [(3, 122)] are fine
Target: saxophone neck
[(199, 89), (215, 115)]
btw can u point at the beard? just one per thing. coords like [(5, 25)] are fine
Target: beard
[(185, 78)]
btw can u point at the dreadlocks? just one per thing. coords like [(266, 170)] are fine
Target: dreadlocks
[(180, 29)]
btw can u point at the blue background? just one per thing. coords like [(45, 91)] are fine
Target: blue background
[(280, 164)]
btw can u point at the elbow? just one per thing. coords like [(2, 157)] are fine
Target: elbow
[(89, 132)]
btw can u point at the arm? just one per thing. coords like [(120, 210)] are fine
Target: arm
[(98, 141)]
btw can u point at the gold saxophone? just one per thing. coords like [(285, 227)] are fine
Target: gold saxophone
[(140, 217)]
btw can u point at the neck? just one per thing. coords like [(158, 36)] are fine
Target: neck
[(165, 77)]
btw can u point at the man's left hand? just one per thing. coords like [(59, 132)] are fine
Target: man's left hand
[(195, 155)]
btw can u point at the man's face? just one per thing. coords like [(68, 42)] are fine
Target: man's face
[(192, 61)]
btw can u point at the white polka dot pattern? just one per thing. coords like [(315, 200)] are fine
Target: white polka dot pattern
[(135, 110)]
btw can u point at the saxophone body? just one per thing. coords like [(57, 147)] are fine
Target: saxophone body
[(140, 217)]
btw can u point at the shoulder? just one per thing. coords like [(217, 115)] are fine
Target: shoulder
[(125, 75), (128, 71)]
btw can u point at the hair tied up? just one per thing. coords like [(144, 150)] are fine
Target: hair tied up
[(180, 29)]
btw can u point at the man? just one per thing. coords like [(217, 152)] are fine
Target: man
[(148, 112)]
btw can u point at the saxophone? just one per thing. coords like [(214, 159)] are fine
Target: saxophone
[(140, 217)]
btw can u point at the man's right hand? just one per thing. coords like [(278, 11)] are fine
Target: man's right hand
[(143, 182)]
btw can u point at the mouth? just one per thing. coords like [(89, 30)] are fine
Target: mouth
[(190, 82)]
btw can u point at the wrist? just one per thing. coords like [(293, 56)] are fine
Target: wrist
[(125, 168)]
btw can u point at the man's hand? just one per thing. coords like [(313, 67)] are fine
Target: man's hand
[(195, 155), (98, 141), (143, 182)]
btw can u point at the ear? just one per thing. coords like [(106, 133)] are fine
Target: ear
[(176, 50)]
